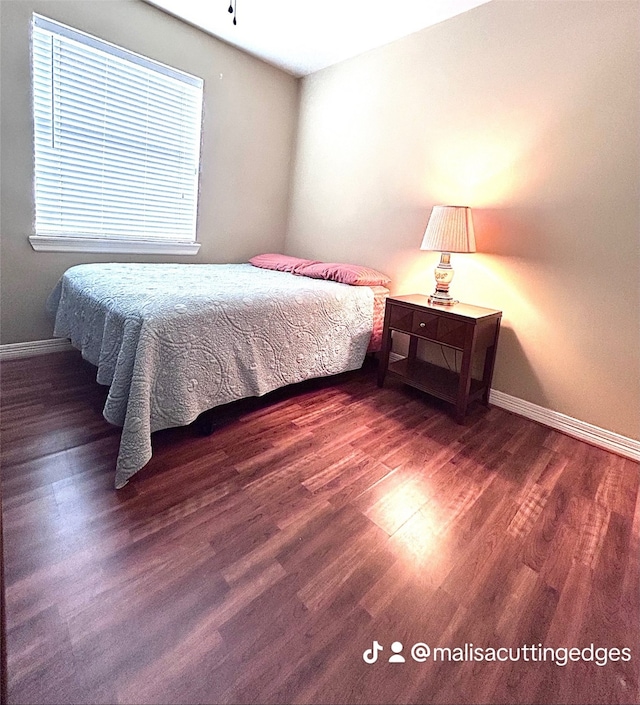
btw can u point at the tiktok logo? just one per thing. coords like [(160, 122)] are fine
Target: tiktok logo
[(371, 655)]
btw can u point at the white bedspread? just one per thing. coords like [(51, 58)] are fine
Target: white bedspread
[(173, 340)]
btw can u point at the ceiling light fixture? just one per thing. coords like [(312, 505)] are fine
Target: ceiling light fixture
[(233, 9)]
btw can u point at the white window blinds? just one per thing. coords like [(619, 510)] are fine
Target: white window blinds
[(117, 140)]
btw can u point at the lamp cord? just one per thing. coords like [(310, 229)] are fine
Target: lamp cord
[(456, 367)]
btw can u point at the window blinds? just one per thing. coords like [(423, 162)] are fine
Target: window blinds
[(117, 140)]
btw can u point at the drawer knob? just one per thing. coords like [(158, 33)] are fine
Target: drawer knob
[(423, 325)]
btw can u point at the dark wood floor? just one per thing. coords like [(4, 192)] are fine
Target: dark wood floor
[(257, 565)]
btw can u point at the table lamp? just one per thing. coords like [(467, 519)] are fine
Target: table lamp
[(450, 229)]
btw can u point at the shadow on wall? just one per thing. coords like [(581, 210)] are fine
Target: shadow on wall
[(509, 347), (511, 232)]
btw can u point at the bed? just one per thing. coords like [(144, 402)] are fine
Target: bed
[(174, 340)]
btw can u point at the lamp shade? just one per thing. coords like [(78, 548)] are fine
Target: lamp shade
[(450, 229)]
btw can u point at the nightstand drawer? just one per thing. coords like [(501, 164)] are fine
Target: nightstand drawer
[(440, 329), (401, 318), (425, 325), (452, 332)]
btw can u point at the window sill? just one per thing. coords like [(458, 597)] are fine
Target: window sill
[(61, 243)]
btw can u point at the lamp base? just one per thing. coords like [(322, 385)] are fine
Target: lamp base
[(442, 299), (444, 274)]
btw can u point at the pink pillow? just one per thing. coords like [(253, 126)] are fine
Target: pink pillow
[(353, 274), (281, 263)]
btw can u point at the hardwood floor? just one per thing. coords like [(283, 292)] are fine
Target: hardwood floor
[(258, 564)]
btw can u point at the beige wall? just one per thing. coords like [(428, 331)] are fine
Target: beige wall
[(529, 113), (249, 128)]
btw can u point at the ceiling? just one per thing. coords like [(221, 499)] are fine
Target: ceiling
[(303, 36)]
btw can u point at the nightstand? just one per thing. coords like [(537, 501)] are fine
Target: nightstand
[(470, 329)]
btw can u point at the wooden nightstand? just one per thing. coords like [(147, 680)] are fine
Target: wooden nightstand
[(470, 329)]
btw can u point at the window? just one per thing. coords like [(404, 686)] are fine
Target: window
[(117, 147)]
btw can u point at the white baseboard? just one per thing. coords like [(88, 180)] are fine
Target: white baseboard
[(583, 431), (13, 351), (614, 442)]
